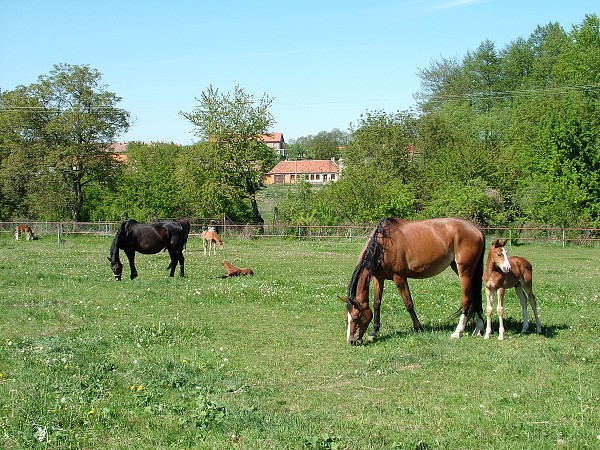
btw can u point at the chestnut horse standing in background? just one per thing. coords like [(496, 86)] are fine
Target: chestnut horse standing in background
[(503, 272), (23, 229), (210, 240), (401, 249)]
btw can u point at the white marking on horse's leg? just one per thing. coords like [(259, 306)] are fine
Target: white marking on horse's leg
[(523, 300), (460, 327), (478, 325), (538, 324), (489, 295), (348, 330), (16, 235), (500, 310)]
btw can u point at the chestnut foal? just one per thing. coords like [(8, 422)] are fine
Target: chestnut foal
[(504, 272)]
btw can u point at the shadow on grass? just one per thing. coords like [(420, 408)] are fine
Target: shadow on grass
[(511, 326)]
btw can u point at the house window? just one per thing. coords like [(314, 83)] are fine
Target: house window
[(332, 177)]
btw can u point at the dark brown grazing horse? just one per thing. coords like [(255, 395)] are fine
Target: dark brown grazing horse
[(504, 272), (233, 271), (133, 236), (401, 249), (23, 229)]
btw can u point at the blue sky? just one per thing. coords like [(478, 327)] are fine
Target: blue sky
[(323, 62)]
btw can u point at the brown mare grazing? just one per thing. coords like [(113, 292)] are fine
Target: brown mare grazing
[(210, 240), (23, 229), (401, 249), (233, 271), (504, 272)]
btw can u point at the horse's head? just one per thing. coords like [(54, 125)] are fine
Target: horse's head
[(499, 255), (359, 318), (117, 269)]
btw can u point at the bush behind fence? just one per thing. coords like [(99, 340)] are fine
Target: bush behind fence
[(515, 235)]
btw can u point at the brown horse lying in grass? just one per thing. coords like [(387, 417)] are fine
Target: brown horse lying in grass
[(504, 272), (233, 271)]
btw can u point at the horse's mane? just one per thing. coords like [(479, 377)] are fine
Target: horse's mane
[(114, 247), (371, 257)]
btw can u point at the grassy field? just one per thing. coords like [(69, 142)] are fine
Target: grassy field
[(262, 363)]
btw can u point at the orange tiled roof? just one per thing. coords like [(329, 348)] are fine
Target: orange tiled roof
[(305, 166)]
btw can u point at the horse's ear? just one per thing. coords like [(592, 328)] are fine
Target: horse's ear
[(496, 243), (502, 244)]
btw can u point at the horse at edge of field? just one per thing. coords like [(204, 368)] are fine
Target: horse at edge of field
[(400, 249), (143, 238), (505, 272), (25, 230)]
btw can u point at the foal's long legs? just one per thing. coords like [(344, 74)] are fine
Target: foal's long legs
[(489, 293), (532, 301), (489, 297)]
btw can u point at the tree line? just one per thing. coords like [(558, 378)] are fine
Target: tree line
[(497, 136)]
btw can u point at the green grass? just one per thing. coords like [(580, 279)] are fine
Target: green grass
[(262, 362)]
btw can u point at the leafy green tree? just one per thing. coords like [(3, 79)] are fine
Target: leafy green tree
[(323, 145), (522, 121), (207, 192), (147, 187), (378, 170), (232, 124), (62, 124)]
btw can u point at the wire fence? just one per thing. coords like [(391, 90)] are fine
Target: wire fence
[(515, 235)]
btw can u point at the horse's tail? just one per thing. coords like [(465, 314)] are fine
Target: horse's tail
[(185, 224), (476, 303), (477, 284), (370, 259)]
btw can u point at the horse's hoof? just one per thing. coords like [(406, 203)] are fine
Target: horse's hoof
[(371, 338), (455, 335), (500, 338), (487, 337)]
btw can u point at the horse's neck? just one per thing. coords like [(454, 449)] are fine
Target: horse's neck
[(362, 287), (114, 250), (490, 266)]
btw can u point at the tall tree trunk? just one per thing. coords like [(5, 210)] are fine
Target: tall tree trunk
[(255, 212)]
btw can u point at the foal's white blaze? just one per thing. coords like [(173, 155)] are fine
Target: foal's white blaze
[(505, 266)]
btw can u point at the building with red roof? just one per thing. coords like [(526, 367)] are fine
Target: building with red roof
[(315, 171)]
